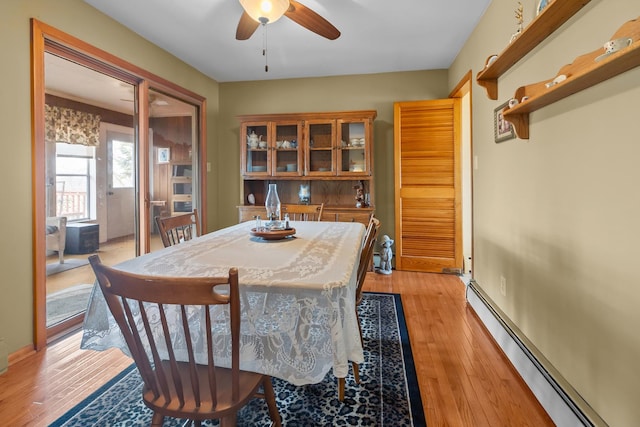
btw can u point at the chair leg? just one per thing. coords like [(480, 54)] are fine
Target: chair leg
[(342, 381), (157, 420), (356, 372), (229, 420), (270, 397), (359, 325)]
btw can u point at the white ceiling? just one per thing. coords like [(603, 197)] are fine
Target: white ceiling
[(376, 36), (69, 80)]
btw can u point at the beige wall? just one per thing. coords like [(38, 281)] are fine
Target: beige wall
[(81, 20), (361, 92), (557, 215)]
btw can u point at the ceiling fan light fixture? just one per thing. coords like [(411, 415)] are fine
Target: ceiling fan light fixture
[(265, 10)]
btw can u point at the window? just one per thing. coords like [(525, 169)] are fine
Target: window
[(75, 178), (123, 166)]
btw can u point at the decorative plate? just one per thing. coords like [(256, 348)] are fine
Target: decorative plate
[(267, 234)]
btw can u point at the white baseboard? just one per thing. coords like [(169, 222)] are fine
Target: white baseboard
[(560, 407)]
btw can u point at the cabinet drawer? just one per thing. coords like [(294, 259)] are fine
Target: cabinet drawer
[(248, 213), (362, 217)]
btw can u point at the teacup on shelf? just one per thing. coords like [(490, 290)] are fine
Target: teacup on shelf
[(559, 79), (617, 44)]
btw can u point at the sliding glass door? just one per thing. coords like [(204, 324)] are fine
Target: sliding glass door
[(90, 183), (114, 146), (173, 159)]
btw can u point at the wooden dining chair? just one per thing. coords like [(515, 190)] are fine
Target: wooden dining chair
[(366, 255), (178, 228), (178, 386), (302, 212)]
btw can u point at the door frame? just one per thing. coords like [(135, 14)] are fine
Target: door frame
[(464, 91), (45, 38), (463, 177)]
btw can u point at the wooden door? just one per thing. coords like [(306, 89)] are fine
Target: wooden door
[(120, 179), (428, 214)]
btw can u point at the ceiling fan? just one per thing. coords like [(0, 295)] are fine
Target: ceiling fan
[(262, 12), (154, 100)]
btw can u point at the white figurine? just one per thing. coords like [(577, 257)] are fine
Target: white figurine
[(386, 255)]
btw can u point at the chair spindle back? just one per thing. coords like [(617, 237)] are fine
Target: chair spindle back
[(178, 228)]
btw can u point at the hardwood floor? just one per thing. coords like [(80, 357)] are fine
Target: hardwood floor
[(464, 378), (111, 252)]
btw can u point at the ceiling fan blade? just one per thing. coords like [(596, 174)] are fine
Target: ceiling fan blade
[(246, 27), (309, 19)]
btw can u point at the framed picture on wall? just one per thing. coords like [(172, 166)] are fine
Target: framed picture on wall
[(541, 5), (502, 129), (164, 155)]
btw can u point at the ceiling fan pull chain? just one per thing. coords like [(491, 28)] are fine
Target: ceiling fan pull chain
[(264, 48)]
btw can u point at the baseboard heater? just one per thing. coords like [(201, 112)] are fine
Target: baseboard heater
[(561, 407)]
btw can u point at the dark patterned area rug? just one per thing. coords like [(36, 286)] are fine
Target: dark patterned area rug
[(387, 395)]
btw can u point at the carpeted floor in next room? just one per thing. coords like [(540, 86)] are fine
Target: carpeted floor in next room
[(68, 287), (69, 264), (64, 304)]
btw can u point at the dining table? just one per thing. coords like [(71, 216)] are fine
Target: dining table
[(298, 296)]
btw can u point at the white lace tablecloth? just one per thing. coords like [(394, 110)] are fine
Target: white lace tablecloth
[(298, 296)]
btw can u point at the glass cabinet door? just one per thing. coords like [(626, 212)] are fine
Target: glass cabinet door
[(287, 148), (353, 148), (321, 147), (256, 159)]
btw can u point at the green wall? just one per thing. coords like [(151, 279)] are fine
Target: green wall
[(83, 21), (557, 215), (361, 92)]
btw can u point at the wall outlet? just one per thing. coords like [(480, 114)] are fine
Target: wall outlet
[(503, 286)]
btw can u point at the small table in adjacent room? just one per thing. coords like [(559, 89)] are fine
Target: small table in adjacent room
[(82, 238)]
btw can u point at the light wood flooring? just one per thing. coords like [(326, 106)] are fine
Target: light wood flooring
[(464, 378), (111, 252)]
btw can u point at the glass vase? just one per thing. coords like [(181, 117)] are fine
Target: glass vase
[(304, 194), (272, 203)]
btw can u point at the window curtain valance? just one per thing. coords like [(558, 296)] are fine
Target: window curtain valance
[(71, 126)]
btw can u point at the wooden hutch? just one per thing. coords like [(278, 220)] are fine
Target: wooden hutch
[(330, 152)]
